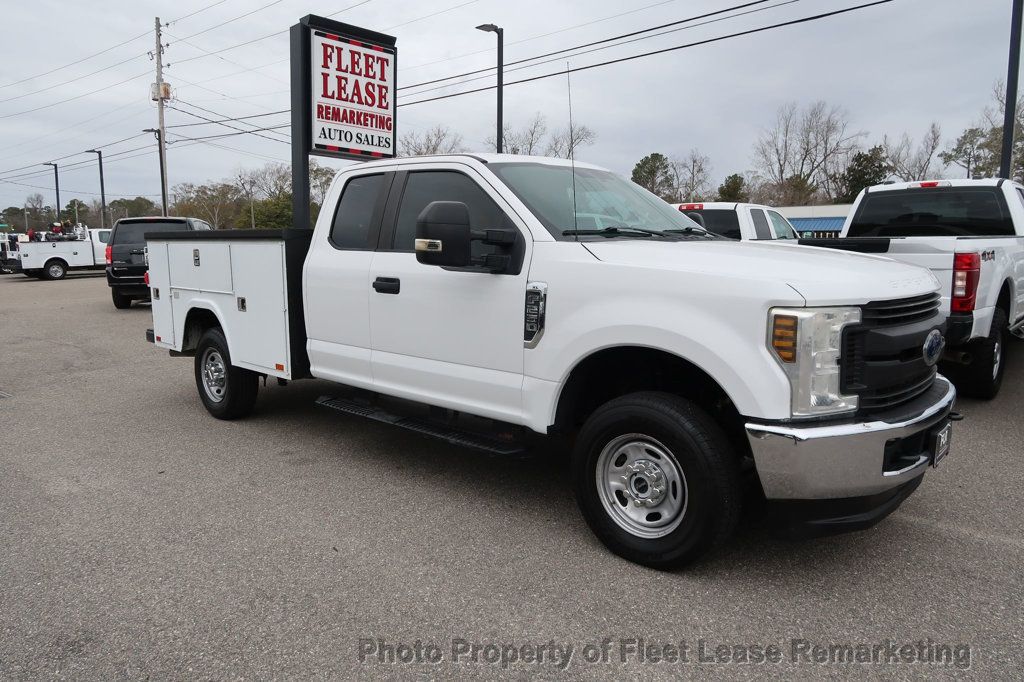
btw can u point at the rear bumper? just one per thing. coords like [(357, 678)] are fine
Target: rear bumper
[(959, 327), (847, 460), (129, 285), (12, 264)]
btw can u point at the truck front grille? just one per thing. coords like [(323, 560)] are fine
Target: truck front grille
[(883, 356)]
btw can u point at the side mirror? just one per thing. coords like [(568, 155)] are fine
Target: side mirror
[(443, 236)]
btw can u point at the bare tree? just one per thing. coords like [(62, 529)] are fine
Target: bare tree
[(527, 140), (692, 176), (565, 142), (246, 183), (804, 150), (218, 203), (914, 163), (438, 140), (320, 178)]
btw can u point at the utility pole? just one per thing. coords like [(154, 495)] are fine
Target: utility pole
[(160, 136), (56, 187), (24, 212), (103, 193), (1013, 73)]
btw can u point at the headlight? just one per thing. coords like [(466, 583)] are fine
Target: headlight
[(808, 343)]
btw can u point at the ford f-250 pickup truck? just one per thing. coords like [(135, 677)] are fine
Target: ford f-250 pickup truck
[(970, 234), (678, 364)]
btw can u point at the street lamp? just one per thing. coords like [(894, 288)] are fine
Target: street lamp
[(491, 28), (103, 195), (163, 170), (56, 186)]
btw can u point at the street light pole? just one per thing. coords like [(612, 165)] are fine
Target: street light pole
[(56, 186), (1013, 72), (103, 193), (492, 28)]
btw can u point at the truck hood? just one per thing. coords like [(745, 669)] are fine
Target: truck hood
[(821, 276)]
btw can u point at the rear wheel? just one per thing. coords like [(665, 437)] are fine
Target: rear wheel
[(227, 392), (121, 302), (55, 269), (656, 479), (984, 376)]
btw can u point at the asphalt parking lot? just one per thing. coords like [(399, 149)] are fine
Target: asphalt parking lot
[(139, 537)]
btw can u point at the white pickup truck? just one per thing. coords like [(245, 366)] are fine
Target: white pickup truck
[(745, 222), (54, 259), (970, 234), (677, 365)]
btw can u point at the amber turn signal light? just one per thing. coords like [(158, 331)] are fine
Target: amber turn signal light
[(784, 337)]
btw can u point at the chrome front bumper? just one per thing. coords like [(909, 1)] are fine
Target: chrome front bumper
[(840, 460)]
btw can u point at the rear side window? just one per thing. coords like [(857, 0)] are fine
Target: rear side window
[(353, 220), (103, 236), (933, 212), (783, 230), (761, 230), (719, 221), (134, 232), (201, 225), (424, 187)]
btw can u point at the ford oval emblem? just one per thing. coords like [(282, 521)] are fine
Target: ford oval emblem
[(933, 346)]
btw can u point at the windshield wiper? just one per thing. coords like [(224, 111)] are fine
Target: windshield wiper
[(689, 230), (620, 231)]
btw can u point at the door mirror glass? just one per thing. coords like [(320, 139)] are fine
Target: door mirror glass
[(443, 234)]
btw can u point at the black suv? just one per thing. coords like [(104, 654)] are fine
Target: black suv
[(126, 254)]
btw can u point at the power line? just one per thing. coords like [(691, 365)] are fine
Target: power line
[(192, 14), (228, 125), (225, 59), (77, 191), (76, 97), (228, 21), (68, 156), (103, 51), (793, 22), (592, 43), (223, 120), (601, 47)]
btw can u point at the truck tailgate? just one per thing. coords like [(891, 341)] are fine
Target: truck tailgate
[(248, 279)]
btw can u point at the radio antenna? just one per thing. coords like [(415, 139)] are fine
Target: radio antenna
[(572, 151)]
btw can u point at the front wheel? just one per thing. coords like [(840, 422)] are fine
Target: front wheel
[(656, 479), (227, 392), (55, 269)]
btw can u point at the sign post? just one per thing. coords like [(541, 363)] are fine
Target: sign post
[(343, 99)]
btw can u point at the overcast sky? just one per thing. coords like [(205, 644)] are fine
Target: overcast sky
[(894, 68)]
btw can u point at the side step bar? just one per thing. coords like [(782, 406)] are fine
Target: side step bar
[(467, 439)]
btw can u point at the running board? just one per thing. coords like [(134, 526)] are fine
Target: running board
[(467, 439)]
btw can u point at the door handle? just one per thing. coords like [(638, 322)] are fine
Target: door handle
[(387, 285)]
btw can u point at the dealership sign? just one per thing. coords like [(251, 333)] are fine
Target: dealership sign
[(353, 89)]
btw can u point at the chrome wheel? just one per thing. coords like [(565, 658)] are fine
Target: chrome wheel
[(215, 375), (641, 485), (997, 359), (56, 271)]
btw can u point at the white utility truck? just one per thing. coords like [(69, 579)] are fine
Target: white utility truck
[(970, 234), (745, 222), (53, 259), (458, 298)]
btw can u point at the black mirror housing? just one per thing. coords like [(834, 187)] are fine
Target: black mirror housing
[(443, 235)]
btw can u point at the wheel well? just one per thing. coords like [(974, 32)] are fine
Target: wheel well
[(197, 322), (55, 258), (614, 372), (1004, 299)]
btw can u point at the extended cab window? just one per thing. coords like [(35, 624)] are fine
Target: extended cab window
[(353, 219), (721, 221), (103, 236), (761, 230), (423, 187), (783, 230), (933, 212)]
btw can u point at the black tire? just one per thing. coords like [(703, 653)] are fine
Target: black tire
[(237, 396), (983, 377), (709, 486), (121, 302), (55, 269)]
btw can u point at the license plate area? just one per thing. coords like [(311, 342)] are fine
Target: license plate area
[(940, 439)]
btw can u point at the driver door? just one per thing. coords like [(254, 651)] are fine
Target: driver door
[(443, 336)]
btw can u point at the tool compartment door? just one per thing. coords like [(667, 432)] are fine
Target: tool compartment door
[(259, 317)]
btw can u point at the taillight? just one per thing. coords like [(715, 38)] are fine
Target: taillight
[(691, 207), (108, 253), (966, 273), (145, 278), (929, 184)]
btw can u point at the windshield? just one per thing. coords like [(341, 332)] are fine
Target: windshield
[(135, 232), (603, 200), (936, 212)]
